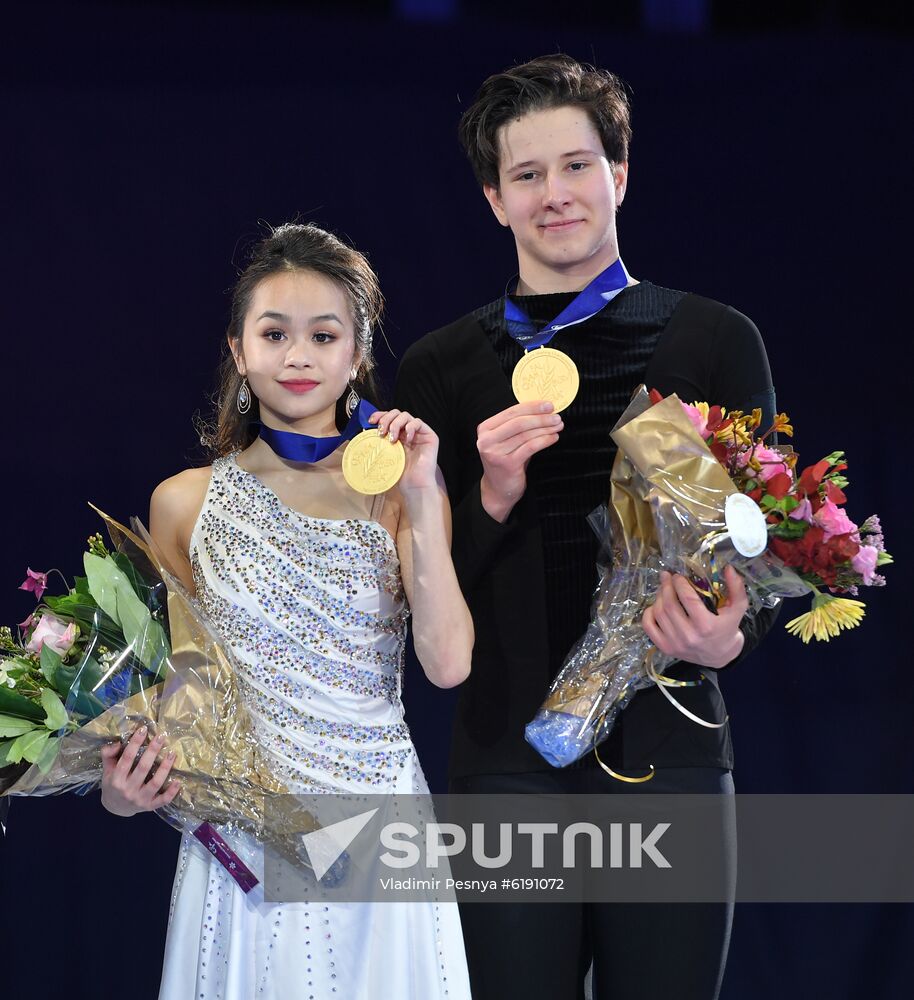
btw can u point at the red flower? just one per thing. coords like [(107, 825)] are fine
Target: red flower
[(716, 420), (811, 477), (834, 494), (810, 554), (779, 485), (720, 451), (843, 548)]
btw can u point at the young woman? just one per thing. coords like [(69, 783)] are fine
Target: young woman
[(310, 584)]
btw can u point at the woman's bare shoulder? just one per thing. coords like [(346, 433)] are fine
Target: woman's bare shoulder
[(173, 511), (183, 492)]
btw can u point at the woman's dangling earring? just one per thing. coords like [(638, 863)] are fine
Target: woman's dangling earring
[(244, 397), (352, 401)]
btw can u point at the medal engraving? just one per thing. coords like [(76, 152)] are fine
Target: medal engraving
[(373, 464), (546, 373)]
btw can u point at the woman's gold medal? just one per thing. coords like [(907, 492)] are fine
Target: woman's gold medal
[(373, 464), (545, 373)]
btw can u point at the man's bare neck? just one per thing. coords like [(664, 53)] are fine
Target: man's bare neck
[(540, 280), (553, 284)]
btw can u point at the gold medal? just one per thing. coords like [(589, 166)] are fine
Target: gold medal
[(545, 373), (373, 464)]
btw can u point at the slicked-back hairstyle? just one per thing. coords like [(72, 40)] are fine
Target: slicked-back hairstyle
[(295, 247), (555, 81)]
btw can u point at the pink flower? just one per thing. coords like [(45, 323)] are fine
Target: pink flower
[(833, 520), (36, 582), (27, 624), (802, 512), (864, 562), (52, 632), (699, 418), (772, 462)]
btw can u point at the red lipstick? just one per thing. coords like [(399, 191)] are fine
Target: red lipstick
[(299, 386)]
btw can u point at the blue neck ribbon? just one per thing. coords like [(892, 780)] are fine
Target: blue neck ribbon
[(305, 448), (589, 301)]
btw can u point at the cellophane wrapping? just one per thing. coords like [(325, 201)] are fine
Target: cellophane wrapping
[(175, 676), (666, 511)]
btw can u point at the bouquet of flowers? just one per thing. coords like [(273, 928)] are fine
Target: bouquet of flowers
[(693, 489), (127, 646)]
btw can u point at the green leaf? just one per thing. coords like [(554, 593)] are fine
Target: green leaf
[(117, 598), (50, 662), (102, 576), (14, 704), (4, 751), (72, 607), (47, 757), (137, 582), (57, 716), (767, 502), (12, 726), (64, 678), (789, 529), (28, 746), (78, 605), (89, 673)]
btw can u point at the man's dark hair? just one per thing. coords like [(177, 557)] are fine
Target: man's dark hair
[(555, 81)]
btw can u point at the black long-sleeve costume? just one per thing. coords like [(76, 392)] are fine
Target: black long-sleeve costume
[(529, 581)]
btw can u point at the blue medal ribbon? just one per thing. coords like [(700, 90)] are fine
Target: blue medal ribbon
[(596, 296), (305, 448)]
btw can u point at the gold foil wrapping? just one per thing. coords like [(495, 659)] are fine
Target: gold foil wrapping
[(666, 510), (224, 775)]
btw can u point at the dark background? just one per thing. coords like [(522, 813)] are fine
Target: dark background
[(143, 144)]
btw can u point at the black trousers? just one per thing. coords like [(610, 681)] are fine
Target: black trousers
[(639, 951)]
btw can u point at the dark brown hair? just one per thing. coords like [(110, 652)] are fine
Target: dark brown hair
[(295, 247), (554, 81)]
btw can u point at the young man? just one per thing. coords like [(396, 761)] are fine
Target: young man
[(548, 142)]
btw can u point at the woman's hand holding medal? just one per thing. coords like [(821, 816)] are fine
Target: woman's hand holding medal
[(506, 443), (419, 443)]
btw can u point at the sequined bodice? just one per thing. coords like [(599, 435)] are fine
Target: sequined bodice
[(315, 614)]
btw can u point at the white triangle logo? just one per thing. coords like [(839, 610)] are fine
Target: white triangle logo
[(324, 846)]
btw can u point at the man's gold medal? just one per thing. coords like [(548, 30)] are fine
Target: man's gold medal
[(373, 464), (545, 373)]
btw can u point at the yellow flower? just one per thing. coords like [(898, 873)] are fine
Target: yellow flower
[(828, 616), (782, 425), (739, 431)]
